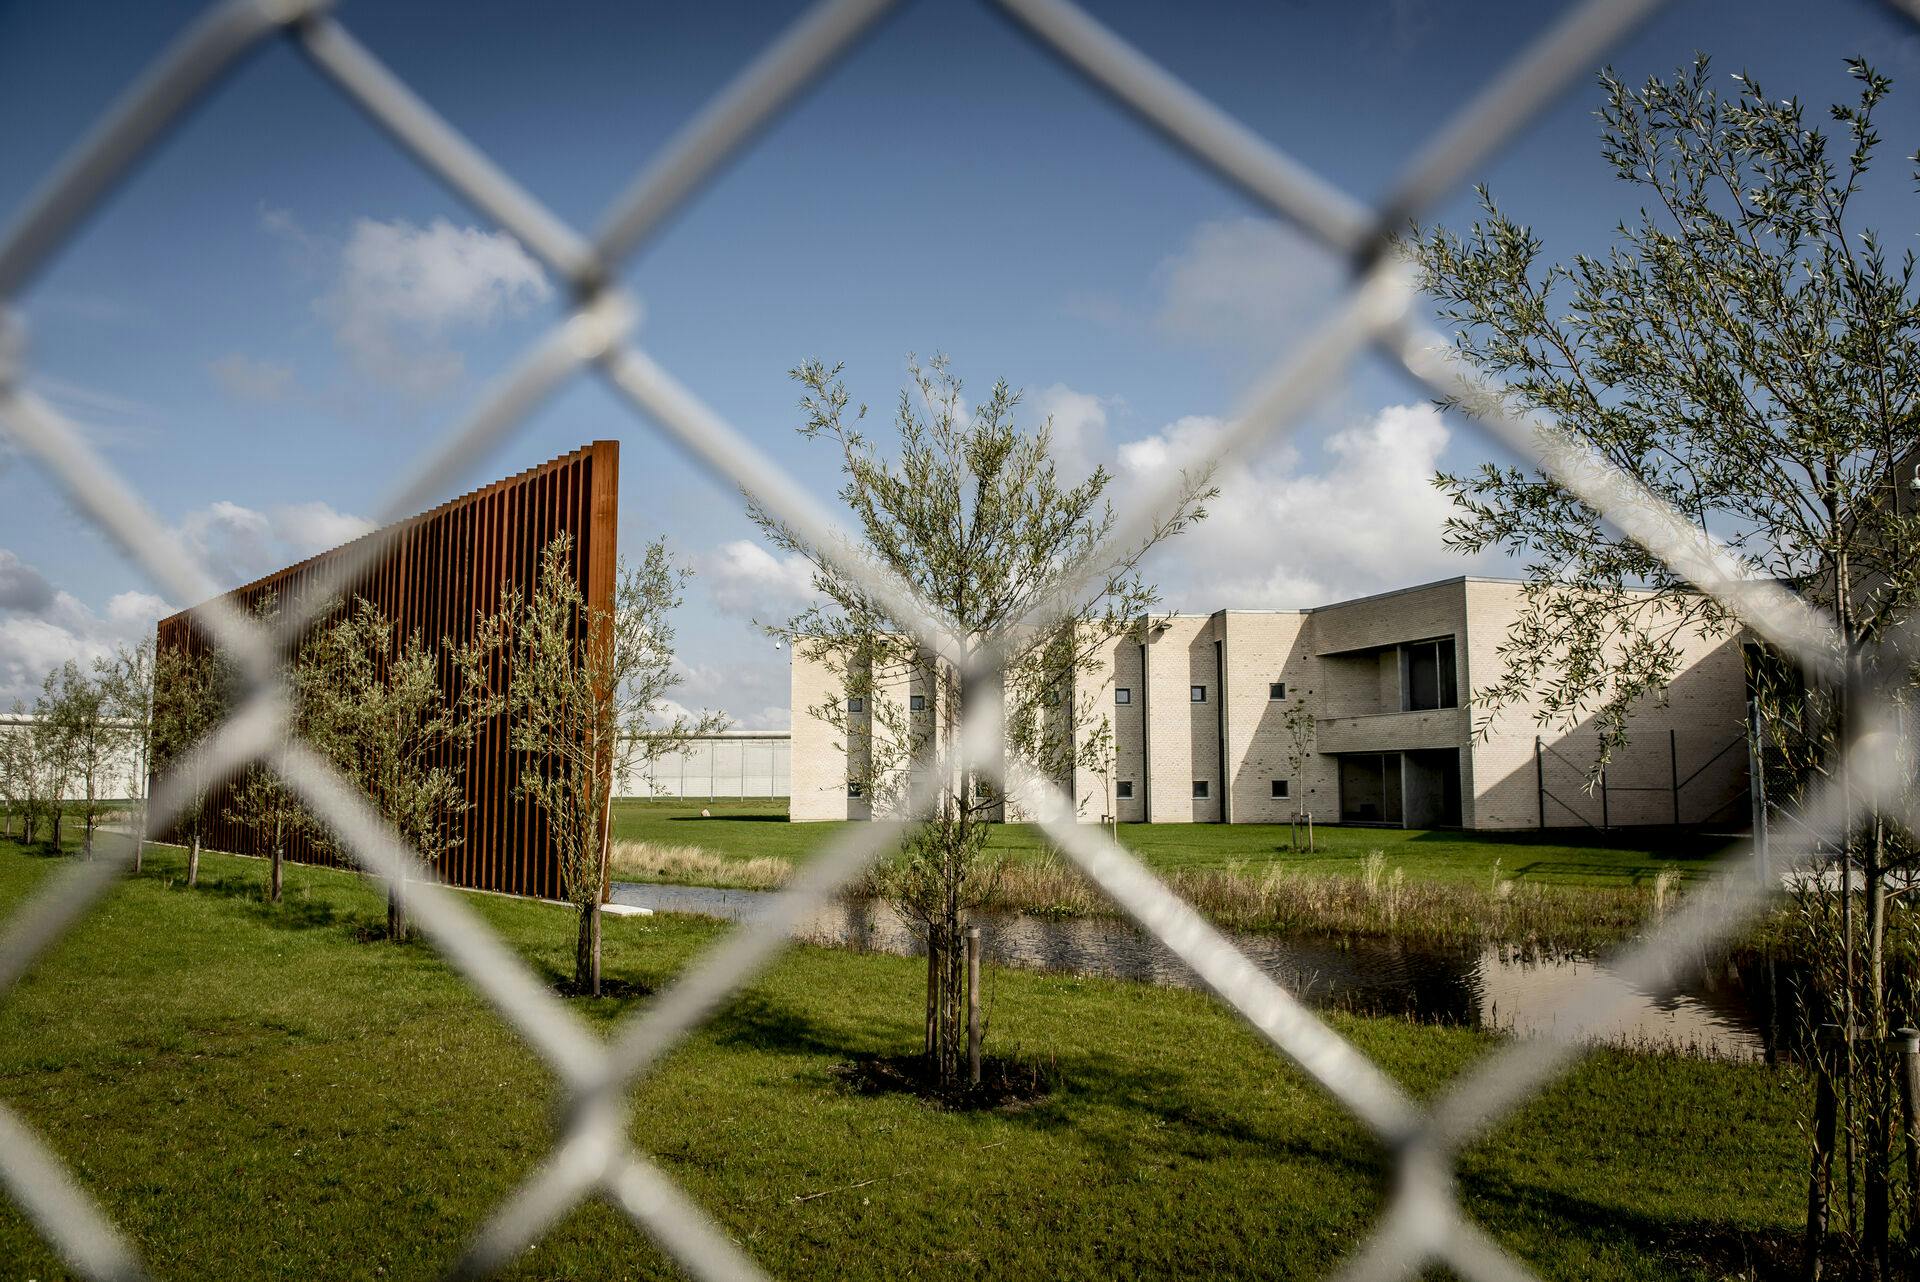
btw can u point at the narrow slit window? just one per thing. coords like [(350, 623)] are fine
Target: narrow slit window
[(917, 703), (1276, 690), (1279, 787), (1122, 694), (1123, 790), (856, 704), (1198, 694), (1199, 789)]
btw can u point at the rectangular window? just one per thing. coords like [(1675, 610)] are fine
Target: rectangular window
[(1122, 695), (917, 703), (1123, 790), (1427, 677), (1276, 690), (1279, 787), (856, 704), (853, 788), (1198, 694), (1199, 789)]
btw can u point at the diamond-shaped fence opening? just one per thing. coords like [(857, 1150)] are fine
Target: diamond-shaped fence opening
[(1423, 1222)]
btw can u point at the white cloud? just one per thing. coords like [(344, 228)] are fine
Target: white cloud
[(239, 544), (315, 526), (22, 588), (746, 580), (1079, 428), (751, 690), (1245, 285), (1280, 537), (245, 379), (399, 294), (42, 627)]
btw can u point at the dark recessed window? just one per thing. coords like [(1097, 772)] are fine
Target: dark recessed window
[(853, 789), (1276, 690), (856, 704), (1279, 787), (1427, 677), (1198, 694), (1199, 789), (1122, 695), (1123, 790), (917, 703)]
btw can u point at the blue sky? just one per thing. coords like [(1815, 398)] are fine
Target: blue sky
[(280, 310)]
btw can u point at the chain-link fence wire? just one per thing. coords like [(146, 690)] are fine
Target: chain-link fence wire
[(1424, 1221)]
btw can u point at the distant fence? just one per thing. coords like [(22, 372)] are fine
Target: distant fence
[(1685, 779), (731, 763), (119, 780)]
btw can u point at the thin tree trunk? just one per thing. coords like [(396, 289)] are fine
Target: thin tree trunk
[(193, 863), (396, 914), (139, 836), (586, 971)]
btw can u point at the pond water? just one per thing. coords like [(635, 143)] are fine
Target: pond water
[(1724, 1009)]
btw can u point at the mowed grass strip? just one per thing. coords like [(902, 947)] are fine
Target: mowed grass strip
[(265, 1091), (757, 828)]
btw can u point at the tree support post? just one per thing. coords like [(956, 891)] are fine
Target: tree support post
[(1909, 1039), (1757, 789), (973, 1005), (933, 991), (1820, 1181)]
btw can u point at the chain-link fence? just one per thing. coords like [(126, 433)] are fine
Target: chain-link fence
[(1423, 1222)]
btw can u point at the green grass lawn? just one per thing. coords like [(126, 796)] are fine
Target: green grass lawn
[(256, 1091), (747, 829)]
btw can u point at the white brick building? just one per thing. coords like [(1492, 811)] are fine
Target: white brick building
[(1198, 705)]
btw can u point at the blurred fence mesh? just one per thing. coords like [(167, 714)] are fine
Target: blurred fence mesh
[(1423, 1222)]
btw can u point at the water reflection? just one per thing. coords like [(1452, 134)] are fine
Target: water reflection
[(1717, 1012)]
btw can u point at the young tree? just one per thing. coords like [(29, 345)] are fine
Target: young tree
[(1300, 729), (585, 698), (56, 752), (190, 698), (373, 701), (261, 800), (81, 712), (1751, 354), (128, 679), (32, 772), (973, 514)]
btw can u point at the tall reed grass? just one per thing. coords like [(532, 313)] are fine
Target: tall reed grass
[(1382, 901)]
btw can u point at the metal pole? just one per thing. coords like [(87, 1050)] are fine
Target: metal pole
[(1673, 771), (1605, 821), (1540, 779), (973, 1005)]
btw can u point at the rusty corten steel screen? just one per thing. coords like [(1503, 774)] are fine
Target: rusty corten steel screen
[(444, 570)]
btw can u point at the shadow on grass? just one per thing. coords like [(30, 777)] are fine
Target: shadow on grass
[(1632, 874), (724, 817), (294, 911), (1721, 1248)]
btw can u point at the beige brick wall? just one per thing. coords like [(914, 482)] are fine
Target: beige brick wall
[(817, 774), (1183, 744), (1703, 712), (1264, 647)]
